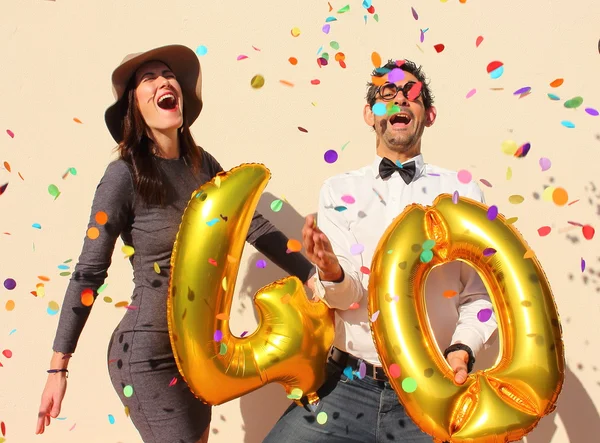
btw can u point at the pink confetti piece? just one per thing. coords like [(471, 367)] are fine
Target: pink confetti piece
[(348, 199), (544, 231), (478, 41), (464, 176), (7, 353), (353, 306), (374, 317), (485, 182), (414, 14), (582, 264), (255, 48), (356, 249), (471, 93), (365, 270), (173, 382), (545, 163), (394, 370), (241, 57), (10, 133), (73, 427), (362, 370), (455, 197)]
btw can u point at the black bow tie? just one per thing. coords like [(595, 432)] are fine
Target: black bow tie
[(388, 167)]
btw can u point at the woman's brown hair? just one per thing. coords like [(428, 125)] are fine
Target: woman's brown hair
[(136, 149)]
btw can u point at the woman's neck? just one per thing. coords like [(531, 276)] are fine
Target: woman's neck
[(166, 145)]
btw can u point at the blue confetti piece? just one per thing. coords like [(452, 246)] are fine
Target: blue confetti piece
[(63, 267), (367, 4), (212, 222), (330, 19), (340, 208), (379, 109), (201, 50), (399, 164), (497, 73), (36, 226), (553, 97), (567, 124), (348, 373), (111, 419), (12, 332), (60, 418)]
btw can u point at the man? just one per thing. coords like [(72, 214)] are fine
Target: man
[(367, 409)]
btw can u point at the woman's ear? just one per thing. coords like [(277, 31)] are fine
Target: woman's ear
[(368, 115), (430, 114)]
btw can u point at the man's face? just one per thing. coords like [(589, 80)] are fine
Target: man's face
[(400, 129)]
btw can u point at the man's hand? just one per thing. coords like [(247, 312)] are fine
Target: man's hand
[(458, 362), (319, 251)]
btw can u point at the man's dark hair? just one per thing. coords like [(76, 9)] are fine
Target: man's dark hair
[(407, 66)]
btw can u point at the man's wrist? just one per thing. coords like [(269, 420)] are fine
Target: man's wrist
[(334, 277), (462, 347)]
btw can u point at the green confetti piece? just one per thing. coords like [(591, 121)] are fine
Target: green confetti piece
[(102, 288), (223, 349), (325, 55), (322, 417), (73, 171), (409, 385), (335, 45), (128, 391), (426, 256), (65, 273), (345, 144), (428, 244), (53, 191), (393, 109), (575, 102), (376, 17), (344, 9), (276, 205)]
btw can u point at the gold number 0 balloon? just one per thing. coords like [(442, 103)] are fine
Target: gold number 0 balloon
[(294, 334), (499, 404)]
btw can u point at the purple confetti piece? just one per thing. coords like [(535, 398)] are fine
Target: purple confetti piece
[(356, 249), (326, 28), (362, 370), (243, 334), (10, 284), (592, 111), (523, 90), (374, 317), (487, 252), (455, 197), (395, 75), (582, 264), (422, 36), (218, 336), (484, 315), (331, 156), (414, 13), (492, 212), (545, 163), (525, 149), (262, 264)]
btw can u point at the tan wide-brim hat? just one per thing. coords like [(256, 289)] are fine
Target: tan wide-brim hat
[(184, 64)]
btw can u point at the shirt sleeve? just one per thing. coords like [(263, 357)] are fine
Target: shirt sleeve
[(269, 240), (114, 196), (338, 295), (472, 299)]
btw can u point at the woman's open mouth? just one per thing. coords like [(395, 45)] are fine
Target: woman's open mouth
[(167, 102)]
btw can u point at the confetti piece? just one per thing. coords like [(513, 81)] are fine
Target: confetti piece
[(212, 222), (87, 297), (294, 245), (261, 264), (560, 196), (588, 232), (295, 394), (7, 166), (10, 284), (348, 199), (257, 82), (353, 306), (10, 133), (582, 264), (362, 370), (243, 334), (121, 304), (356, 249), (224, 283), (156, 267), (574, 103), (455, 197), (471, 93), (3, 429), (374, 317), (523, 90), (107, 299), (326, 28), (331, 156), (285, 299), (567, 124), (127, 250), (409, 385), (322, 417), (508, 173), (428, 244), (93, 233), (488, 252), (544, 231), (365, 270), (52, 308), (223, 349), (379, 109), (484, 315), (344, 9), (511, 220), (201, 50), (516, 199), (212, 261), (276, 205), (295, 32), (492, 212), (111, 419), (509, 147), (10, 305), (3, 188), (128, 391), (376, 59), (53, 191), (439, 47), (414, 13), (173, 382), (547, 193), (464, 176), (241, 57), (222, 316), (545, 163), (495, 69), (553, 97), (36, 226), (101, 217), (394, 370), (591, 111), (426, 256), (478, 41), (556, 83), (218, 336), (449, 293), (7, 353), (101, 288), (415, 91), (529, 254)]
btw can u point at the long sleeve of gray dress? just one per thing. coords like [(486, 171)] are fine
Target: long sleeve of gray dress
[(115, 196)]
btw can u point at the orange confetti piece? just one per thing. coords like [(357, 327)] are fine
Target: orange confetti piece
[(87, 297), (101, 217), (449, 293), (294, 245), (378, 81), (376, 59), (43, 278), (20, 176), (556, 83), (93, 233), (10, 305), (330, 7), (222, 316), (7, 166), (293, 60), (529, 254), (121, 304), (560, 196), (76, 120), (286, 83)]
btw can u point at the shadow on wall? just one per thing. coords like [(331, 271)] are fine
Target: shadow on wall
[(263, 407)]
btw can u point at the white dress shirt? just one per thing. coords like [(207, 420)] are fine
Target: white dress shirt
[(371, 205)]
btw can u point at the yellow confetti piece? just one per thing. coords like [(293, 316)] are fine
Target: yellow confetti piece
[(128, 251), (296, 394), (126, 411), (107, 299), (547, 194), (156, 268), (322, 417), (295, 31), (40, 290), (511, 220), (224, 283), (516, 199), (508, 173), (509, 147)]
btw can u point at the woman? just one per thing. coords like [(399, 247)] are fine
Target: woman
[(144, 194)]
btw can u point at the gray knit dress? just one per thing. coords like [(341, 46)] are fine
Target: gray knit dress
[(140, 353)]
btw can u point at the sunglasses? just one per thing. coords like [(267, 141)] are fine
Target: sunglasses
[(410, 90)]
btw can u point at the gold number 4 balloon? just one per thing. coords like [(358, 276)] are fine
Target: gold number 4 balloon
[(502, 403), (294, 334)]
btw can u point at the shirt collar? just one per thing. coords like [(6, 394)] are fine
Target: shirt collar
[(419, 165)]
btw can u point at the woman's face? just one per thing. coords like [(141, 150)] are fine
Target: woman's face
[(159, 97)]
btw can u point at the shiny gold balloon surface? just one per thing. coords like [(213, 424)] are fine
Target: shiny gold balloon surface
[(502, 403), (294, 334)]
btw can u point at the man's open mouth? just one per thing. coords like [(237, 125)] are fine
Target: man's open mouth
[(400, 119)]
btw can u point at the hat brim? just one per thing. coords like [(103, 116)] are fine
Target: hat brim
[(185, 65)]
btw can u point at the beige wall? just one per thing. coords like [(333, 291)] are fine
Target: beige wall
[(56, 60)]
